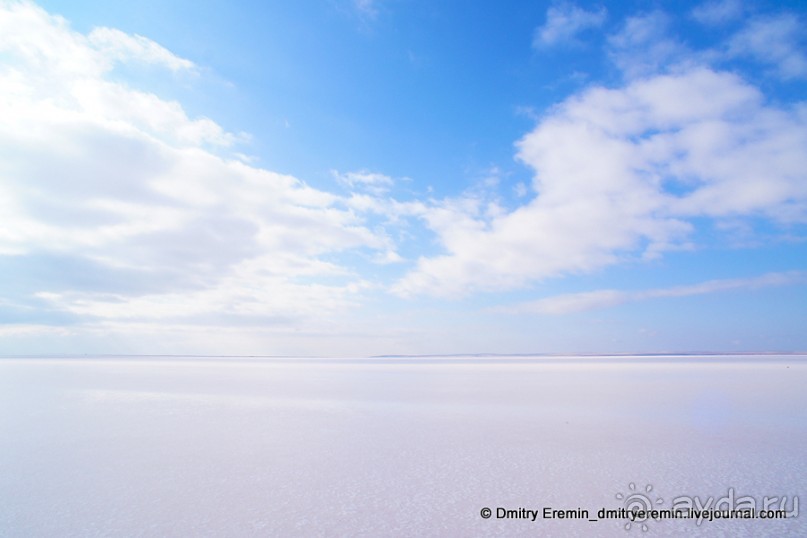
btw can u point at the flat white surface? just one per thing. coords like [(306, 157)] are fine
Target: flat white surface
[(391, 447)]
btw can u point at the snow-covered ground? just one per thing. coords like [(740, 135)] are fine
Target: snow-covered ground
[(394, 446)]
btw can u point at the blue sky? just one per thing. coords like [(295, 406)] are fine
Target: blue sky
[(339, 177)]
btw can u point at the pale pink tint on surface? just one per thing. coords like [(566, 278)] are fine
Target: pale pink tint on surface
[(393, 446)]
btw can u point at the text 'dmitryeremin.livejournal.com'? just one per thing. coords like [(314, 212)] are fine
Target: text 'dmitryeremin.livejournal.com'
[(641, 508)]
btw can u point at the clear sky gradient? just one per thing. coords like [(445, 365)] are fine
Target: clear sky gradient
[(359, 177)]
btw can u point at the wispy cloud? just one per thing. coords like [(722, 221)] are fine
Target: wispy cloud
[(564, 22), (373, 182), (643, 45), (578, 302), (778, 41), (121, 47), (366, 8), (718, 11)]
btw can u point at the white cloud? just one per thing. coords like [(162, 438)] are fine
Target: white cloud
[(366, 8), (149, 217), (621, 173), (643, 46), (121, 47), (46, 41), (777, 41), (58, 75), (718, 11), (578, 302), (372, 182), (521, 190), (119, 186), (564, 22), (569, 303)]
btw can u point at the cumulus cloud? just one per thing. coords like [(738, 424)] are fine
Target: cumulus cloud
[(121, 210), (121, 189), (578, 302), (564, 22), (47, 42), (623, 173)]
